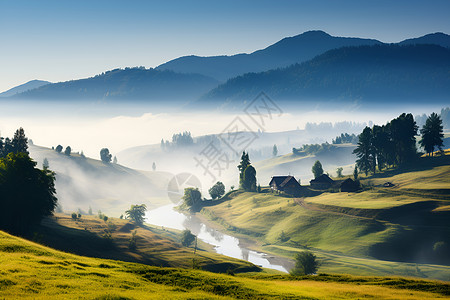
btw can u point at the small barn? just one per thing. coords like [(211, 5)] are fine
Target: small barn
[(287, 184), (349, 185), (322, 182)]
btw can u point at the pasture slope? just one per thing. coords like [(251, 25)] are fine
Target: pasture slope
[(378, 231), (94, 237), (30, 270)]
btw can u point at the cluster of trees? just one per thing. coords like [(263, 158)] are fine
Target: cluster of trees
[(247, 174), (395, 143), (346, 138), (67, 151), (19, 143), (181, 139), (27, 194), (313, 149)]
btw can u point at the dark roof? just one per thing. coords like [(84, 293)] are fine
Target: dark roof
[(324, 178), (281, 181), (347, 181), (349, 185)]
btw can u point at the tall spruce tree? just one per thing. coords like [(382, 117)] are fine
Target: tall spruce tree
[(20, 141), (432, 134), (365, 151), (245, 162)]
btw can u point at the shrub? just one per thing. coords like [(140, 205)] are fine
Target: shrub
[(305, 264), (187, 238)]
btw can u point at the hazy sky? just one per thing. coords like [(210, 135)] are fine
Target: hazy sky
[(63, 40)]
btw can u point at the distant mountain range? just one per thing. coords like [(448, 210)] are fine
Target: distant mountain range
[(286, 52), (24, 87), (131, 84), (384, 72), (313, 64)]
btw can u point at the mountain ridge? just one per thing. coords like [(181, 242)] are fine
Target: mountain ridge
[(32, 84), (388, 71), (285, 52)]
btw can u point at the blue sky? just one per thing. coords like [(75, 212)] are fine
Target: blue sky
[(63, 40)]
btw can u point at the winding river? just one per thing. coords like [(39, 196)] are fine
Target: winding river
[(228, 245)]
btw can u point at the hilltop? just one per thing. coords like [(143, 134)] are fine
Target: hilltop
[(378, 231), (33, 84), (35, 271), (83, 182)]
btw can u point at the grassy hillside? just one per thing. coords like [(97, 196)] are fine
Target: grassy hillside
[(33, 271), (91, 236), (84, 182), (351, 231)]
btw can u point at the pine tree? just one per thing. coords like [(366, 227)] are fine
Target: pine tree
[(365, 151), (245, 162), (20, 141), (432, 134)]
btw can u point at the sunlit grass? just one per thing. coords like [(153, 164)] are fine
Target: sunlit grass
[(29, 270)]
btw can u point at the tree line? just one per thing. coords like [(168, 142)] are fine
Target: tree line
[(394, 143), (27, 194)]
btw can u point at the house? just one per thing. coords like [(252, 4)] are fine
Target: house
[(349, 185), (322, 182), (287, 184)]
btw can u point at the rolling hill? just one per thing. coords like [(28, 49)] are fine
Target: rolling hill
[(383, 73), (30, 270), (395, 230), (83, 182)]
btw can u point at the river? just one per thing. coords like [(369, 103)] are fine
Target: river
[(225, 244)]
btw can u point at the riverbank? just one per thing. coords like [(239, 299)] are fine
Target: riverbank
[(224, 244)]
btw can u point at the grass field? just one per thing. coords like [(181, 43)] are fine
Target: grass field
[(91, 236), (377, 231), (29, 270)]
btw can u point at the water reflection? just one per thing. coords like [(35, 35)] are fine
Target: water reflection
[(224, 244)]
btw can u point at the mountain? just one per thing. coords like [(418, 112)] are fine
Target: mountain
[(128, 83), (24, 87), (286, 52), (437, 38), (380, 72)]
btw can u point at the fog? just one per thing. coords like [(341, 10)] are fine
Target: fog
[(133, 133)]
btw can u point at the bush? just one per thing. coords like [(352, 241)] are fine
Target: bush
[(74, 216), (305, 264), (187, 238), (217, 190)]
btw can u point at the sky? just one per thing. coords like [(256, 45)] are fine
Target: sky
[(64, 40)]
